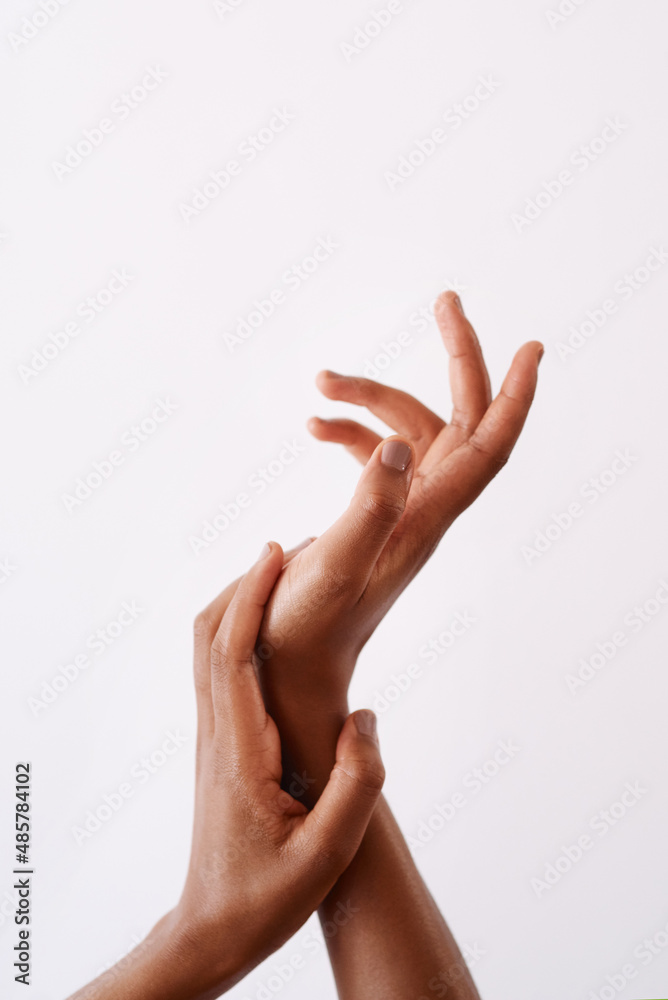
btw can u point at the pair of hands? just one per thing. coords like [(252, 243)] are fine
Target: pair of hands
[(261, 862), (302, 621), (274, 655)]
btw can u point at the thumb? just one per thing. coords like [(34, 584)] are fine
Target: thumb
[(334, 828), (356, 540)]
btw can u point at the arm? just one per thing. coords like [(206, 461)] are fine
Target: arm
[(397, 946), (329, 599), (260, 862), (396, 943)]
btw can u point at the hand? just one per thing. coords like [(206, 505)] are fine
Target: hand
[(260, 864), (333, 594)]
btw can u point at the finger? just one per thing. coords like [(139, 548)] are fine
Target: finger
[(208, 621), (205, 628), (469, 380), (237, 701), (463, 475), (331, 833), (400, 411), (360, 441), (351, 547)]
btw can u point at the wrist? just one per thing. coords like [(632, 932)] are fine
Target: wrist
[(309, 717), (203, 958), (178, 960)]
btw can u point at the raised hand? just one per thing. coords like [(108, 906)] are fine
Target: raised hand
[(334, 592)]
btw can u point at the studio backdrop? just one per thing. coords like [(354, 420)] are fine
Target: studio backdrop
[(202, 206)]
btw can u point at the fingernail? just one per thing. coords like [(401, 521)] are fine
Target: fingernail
[(458, 302), (366, 723), (397, 455), (541, 352), (265, 552), (330, 374)]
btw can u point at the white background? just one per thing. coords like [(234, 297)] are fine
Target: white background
[(450, 224)]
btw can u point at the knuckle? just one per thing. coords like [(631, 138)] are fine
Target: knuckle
[(497, 459), (225, 657), (219, 653), (464, 423), (518, 394), (203, 627), (366, 777), (364, 387), (383, 508), (371, 776)]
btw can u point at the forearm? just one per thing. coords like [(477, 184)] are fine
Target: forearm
[(396, 946), (392, 941), (163, 967)]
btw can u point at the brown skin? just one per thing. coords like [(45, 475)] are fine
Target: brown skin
[(261, 863), (325, 605), (330, 598)]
